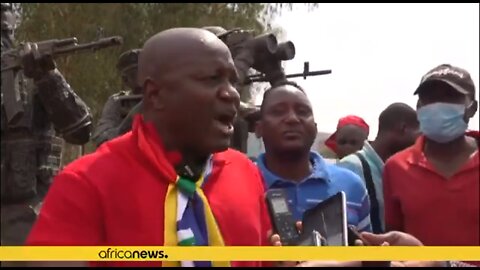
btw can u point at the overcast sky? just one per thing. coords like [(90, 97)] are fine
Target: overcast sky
[(377, 53)]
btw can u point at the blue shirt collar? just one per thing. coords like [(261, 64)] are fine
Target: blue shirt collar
[(319, 170)]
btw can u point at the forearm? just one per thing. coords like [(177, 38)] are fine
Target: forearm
[(419, 264), (330, 264), (68, 113)]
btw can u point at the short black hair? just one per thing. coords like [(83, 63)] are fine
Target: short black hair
[(275, 86), (394, 114)]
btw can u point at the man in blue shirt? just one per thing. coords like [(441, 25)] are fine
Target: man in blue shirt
[(288, 130), (398, 128)]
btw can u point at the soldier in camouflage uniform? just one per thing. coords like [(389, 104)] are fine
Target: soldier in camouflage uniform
[(112, 122), (30, 149)]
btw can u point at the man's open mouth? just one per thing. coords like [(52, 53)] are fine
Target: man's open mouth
[(225, 122)]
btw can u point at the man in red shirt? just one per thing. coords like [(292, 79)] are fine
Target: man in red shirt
[(432, 189), (168, 180)]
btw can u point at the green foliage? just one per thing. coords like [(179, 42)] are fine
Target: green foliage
[(93, 75)]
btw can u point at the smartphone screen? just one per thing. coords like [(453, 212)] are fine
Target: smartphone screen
[(329, 218), (280, 205)]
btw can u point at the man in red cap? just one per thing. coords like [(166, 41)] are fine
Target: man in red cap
[(352, 131)]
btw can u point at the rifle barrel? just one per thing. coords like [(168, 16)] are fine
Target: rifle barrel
[(311, 73), (262, 78), (66, 41), (59, 47), (95, 45)]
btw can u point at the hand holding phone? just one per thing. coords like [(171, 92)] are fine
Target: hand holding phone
[(281, 216), (354, 235)]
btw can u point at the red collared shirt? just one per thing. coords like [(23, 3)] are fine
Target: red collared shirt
[(421, 202), (114, 197)]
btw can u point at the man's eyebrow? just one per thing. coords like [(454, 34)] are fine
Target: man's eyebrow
[(273, 104), (303, 104)]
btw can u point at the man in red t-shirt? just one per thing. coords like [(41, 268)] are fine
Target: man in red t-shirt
[(431, 189), (128, 193)]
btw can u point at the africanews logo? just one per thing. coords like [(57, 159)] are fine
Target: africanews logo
[(136, 254)]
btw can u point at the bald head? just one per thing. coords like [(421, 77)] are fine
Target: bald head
[(397, 113), (174, 47), (189, 68)]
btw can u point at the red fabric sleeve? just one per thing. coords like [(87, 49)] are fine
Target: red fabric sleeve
[(393, 211), (267, 230), (265, 219), (70, 215)]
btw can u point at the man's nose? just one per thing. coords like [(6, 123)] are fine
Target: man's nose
[(292, 117), (230, 94)]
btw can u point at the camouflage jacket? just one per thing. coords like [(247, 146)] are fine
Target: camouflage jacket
[(114, 115), (31, 151)]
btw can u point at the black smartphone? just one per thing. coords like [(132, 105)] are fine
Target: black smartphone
[(329, 218), (281, 216)]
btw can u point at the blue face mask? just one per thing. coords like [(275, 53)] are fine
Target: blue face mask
[(442, 122)]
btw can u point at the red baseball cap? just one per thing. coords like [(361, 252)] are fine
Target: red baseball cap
[(344, 121)]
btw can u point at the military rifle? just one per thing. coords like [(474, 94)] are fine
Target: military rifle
[(250, 79), (264, 53), (306, 73), (252, 117), (12, 60)]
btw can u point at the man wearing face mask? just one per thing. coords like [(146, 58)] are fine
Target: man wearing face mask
[(112, 123), (431, 189)]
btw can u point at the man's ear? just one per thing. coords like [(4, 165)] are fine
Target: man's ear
[(258, 129), (402, 127), (153, 94)]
